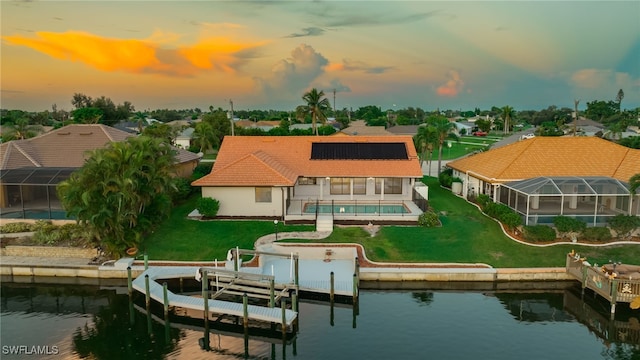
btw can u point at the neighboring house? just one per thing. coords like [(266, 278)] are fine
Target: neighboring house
[(263, 125), (542, 177), (184, 139), (299, 178), (466, 125), (409, 130), (300, 127), (32, 168), (359, 127)]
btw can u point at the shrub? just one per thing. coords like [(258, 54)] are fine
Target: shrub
[(496, 210), (539, 233), (511, 219), (17, 227), (69, 234), (566, 225), (48, 235), (623, 225), (429, 218), (201, 170), (483, 200), (596, 234), (182, 189), (208, 207), (446, 178)]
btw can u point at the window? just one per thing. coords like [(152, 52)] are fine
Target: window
[(359, 186), (391, 185), (263, 195), (306, 181), (340, 186)]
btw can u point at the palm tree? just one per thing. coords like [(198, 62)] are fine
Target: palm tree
[(121, 191), (204, 136), (507, 114), (425, 141), (141, 119), (317, 105), (444, 130), (21, 130)]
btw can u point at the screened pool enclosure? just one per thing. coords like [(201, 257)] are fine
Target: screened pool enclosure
[(591, 199), (30, 193)]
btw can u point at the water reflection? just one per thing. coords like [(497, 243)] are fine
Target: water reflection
[(106, 325)]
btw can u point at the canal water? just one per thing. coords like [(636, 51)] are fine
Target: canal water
[(98, 322)]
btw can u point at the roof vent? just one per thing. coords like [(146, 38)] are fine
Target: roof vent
[(87, 133), (64, 133)]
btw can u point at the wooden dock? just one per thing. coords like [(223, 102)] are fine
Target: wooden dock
[(156, 292), (617, 283)]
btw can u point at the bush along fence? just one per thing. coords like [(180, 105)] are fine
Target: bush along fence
[(565, 227)]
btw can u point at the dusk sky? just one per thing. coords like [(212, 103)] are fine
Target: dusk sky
[(265, 55)]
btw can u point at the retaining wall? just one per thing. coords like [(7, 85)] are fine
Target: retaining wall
[(47, 251)]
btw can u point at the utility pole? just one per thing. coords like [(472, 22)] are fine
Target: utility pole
[(233, 125), (575, 117), (334, 104)]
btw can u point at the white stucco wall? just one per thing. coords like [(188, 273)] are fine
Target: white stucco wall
[(241, 201)]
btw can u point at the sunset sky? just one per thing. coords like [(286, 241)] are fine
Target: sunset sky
[(265, 55)]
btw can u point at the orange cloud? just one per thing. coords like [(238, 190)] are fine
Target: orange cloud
[(453, 85), (138, 56)]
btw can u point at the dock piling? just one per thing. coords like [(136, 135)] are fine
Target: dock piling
[(129, 282), (146, 261), (245, 312), (205, 296), (283, 305), (272, 290), (355, 288), (332, 287), (147, 292), (165, 304)]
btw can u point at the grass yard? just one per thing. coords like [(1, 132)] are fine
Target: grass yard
[(467, 236), (183, 239)]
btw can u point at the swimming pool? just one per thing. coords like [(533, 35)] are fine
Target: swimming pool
[(310, 208), (35, 214)]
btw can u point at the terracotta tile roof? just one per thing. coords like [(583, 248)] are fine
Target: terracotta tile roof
[(65, 147), (552, 156), (280, 160)]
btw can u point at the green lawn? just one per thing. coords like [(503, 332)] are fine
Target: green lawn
[(180, 238), (466, 236)]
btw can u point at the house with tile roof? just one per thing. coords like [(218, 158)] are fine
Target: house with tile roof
[(542, 177), (298, 178), (31, 168)]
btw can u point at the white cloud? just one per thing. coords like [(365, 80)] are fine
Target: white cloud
[(292, 76), (603, 84)]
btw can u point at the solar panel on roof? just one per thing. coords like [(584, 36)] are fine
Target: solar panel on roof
[(358, 151)]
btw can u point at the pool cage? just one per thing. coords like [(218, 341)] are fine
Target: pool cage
[(591, 199), (30, 193)]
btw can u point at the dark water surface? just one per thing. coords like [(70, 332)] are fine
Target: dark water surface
[(77, 321)]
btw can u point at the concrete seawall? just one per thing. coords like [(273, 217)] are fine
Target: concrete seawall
[(11, 267)]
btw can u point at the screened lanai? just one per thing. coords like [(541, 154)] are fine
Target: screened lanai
[(590, 199), (30, 193)]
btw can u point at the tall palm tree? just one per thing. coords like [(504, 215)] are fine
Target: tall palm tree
[(425, 141), (444, 130), (317, 106), (507, 115)]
